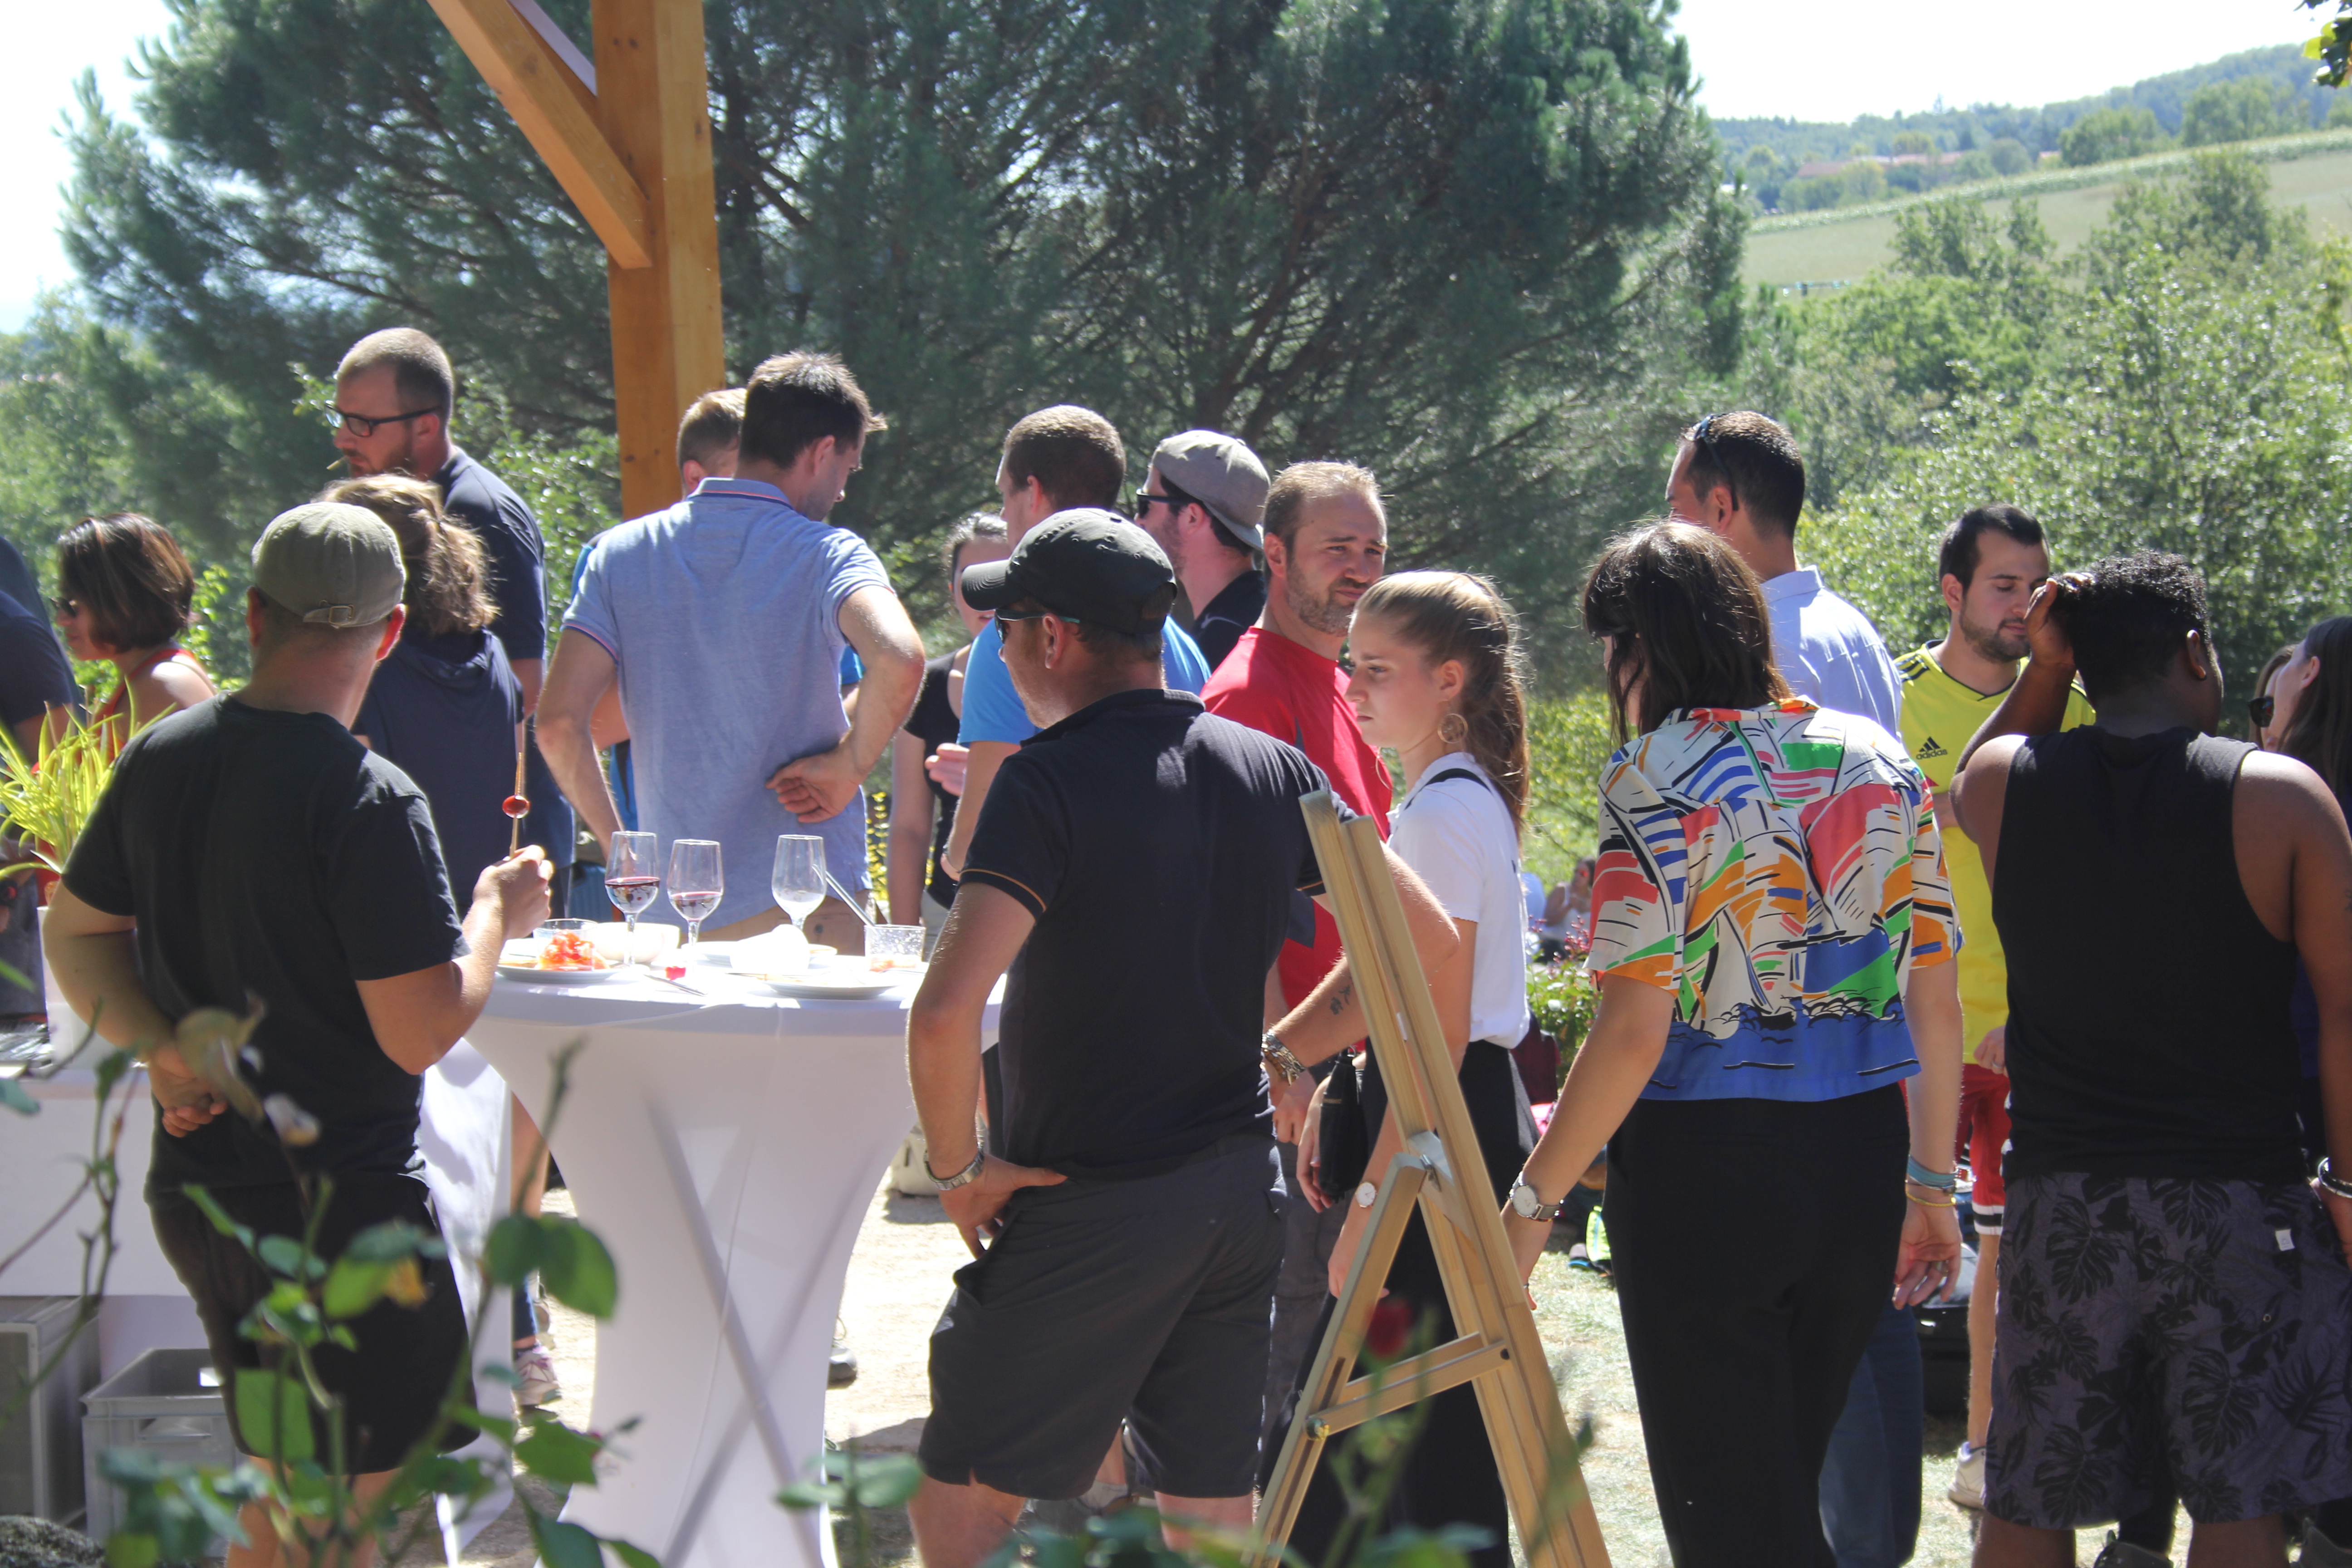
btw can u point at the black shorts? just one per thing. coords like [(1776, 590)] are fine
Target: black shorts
[(392, 1386), (1148, 1300), (2167, 1336)]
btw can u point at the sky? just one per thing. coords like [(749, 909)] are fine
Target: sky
[(1811, 59)]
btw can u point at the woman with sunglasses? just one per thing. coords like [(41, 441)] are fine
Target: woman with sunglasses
[(125, 594)]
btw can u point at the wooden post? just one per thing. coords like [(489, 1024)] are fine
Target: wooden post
[(1496, 1349), (653, 103)]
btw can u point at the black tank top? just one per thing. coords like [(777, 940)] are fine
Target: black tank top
[(2148, 1027)]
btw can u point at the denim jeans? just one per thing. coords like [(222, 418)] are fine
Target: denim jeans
[(1870, 1481)]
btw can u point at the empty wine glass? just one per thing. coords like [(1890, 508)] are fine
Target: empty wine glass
[(631, 882), (799, 882), (695, 883)]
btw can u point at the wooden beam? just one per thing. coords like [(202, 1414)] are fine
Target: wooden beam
[(653, 102), (556, 112)]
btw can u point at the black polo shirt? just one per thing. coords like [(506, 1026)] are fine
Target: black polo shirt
[(1220, 623), (1158, 845)]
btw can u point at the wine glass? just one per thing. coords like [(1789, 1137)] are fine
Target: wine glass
[(799, 882), (695, 883), (631, 882)]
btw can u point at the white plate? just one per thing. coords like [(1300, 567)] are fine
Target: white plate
[(842, 987), (533, 975), (719, 953)]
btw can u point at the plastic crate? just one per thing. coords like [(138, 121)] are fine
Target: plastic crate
[(159, 1403), (41, 1449)]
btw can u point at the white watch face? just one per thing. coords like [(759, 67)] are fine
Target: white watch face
[(1365, 1195), (1525, 1200)]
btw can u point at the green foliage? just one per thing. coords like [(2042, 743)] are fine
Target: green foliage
[(2106, 134), (1569, 739), (1476, 243), (2186, 389), (2241, 111), (2008, 155)]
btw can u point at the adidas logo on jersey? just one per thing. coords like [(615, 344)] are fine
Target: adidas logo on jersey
[(1928, 748)]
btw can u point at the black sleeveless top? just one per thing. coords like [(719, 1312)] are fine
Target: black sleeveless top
[(934, 723), (2149, 1026)]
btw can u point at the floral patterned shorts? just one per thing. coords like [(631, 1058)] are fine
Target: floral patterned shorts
[(2154, 1335)]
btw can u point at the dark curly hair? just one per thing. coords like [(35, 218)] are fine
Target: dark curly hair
[(2126, 616)]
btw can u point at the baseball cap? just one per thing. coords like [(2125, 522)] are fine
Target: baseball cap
[(1084, 565), (1222, 475), (332, 564)]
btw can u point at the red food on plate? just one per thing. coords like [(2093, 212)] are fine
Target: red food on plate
[(568, 950)]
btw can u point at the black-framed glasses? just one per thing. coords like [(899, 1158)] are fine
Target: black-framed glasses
[(2260, 710), (1704, 433), (363, 427), (1145, 500)]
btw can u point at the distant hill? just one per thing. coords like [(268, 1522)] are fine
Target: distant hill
[(1962, 129)]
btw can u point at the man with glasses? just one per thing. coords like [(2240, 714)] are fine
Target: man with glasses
[(1740, 476), (394, 394), (1202, 501)]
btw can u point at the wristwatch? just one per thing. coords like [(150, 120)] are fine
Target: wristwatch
[(1525, 1203), (1280, 1061), (962, 1178), (1365, 1193)]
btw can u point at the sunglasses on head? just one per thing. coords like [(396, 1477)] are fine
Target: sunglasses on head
[(2261, 708)]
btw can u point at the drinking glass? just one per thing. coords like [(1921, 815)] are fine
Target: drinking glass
[(799, 881), (631, 882), (894, 947), (695, 883)]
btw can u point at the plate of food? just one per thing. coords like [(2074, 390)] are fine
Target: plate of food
[(567, 958)]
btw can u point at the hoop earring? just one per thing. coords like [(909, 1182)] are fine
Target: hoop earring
[(1454, 728)]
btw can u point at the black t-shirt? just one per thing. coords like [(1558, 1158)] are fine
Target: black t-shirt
[(1157, 846), (1222, 621), (934, 723), (270, 856)]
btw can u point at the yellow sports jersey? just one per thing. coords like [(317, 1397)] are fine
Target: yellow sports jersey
[(1940, 716)]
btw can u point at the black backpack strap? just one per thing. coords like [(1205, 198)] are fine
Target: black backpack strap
[(1459, 774)]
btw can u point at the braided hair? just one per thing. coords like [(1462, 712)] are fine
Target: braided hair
[(1460, 615)]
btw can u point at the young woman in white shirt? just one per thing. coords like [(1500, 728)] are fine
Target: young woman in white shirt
[(1439, 681)]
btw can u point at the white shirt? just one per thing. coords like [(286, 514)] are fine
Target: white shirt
[(1458, 836), (1829, 652)]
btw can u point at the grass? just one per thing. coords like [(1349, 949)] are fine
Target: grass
[(1842, 244)]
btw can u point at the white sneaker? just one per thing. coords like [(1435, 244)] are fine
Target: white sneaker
[(535, 1381), (1968, 1479)]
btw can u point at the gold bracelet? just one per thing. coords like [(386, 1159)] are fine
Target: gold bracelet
[(1947, 1204)]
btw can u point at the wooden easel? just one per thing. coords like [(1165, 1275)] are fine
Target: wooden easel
[(1496, 1349)]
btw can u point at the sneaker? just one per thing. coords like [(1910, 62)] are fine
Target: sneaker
[(842, 1370), (1967, 1480), (2124, 1554), (1580, 1257), (535, 1381)]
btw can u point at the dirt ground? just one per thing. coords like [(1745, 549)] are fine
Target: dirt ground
[(900, 1279)]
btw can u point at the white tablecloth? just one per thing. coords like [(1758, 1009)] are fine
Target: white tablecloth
[(726, 1149)]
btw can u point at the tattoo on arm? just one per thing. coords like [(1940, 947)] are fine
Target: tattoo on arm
[(1341, 997)]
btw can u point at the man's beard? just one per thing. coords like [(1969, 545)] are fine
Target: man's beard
[(1325, 614), (1993, 645), (401, 462)]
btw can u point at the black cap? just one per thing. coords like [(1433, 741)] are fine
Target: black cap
[(1086, 566)]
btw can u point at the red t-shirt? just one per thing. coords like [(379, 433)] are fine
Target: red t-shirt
[(1289, 692)]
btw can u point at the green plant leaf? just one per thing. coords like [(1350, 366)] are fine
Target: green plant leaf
[(884, 1480), (394, 1240), (577, 1269), (516, 1246), (112, 1067), (283, 1434), (125, 1549), (352, 1286), (631, 1556), (558, 1454), (13, 1096), (217, 1215), (562, 1545), (281, 1255)]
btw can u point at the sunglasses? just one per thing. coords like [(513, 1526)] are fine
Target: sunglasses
[(1145, 500), (2261, 708), (1704, 433), (66, 608), (364, 427)]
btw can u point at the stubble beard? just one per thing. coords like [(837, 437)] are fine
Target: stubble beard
[(1325, 614), (1991, 644)]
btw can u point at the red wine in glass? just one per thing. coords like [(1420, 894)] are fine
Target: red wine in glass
[(632, 895)]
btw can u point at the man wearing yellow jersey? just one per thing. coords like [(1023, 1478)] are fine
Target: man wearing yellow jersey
[(1992, 559)]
